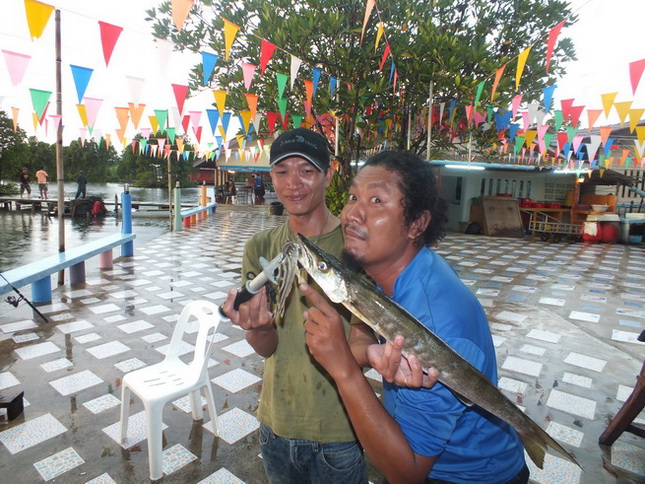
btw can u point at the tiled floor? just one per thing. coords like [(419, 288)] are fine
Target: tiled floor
[(564, 319)]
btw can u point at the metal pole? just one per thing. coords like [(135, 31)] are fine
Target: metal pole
[(429, 122), (409, 126), (60, 172), (170, 207)]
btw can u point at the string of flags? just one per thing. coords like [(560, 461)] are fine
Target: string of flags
[(523, 135)]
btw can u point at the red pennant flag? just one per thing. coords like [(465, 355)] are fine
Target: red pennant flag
[(198, 134), (109, 35), (635, 72), (180, 95), (185, 122), (266, 52), (272, 118), (386, 53), (566, 108), (562, 139), (553, 37), (576, 111), (285, 122)]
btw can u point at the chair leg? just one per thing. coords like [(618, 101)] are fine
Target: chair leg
[(125, 411), (210, 404), (196, 404), (154, 414)]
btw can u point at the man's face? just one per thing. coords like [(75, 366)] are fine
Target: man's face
[(299, 185), (373, 224)]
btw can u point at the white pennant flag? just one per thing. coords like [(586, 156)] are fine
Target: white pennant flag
[(295, 65)]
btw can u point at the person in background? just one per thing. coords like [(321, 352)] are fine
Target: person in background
[(258, 189), (305, 434), (41, 177), (25, 184), (392, 216), (81, 180)]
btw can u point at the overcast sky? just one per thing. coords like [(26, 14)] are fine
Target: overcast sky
[(606, 38)]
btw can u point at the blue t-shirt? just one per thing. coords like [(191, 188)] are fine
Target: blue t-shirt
[(471, 444)]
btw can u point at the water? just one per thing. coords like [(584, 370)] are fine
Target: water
[(26, 236)]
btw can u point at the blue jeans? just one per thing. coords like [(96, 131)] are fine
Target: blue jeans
[(303, 461)]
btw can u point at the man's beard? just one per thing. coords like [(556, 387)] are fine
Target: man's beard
[(352, 261)]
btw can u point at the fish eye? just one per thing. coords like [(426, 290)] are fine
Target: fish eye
[(322, 266)]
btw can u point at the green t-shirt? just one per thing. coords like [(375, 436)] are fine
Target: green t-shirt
[(299, 399)]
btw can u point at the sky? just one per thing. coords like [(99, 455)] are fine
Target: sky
[(606, 39)]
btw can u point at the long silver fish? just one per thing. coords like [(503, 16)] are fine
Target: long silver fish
[(389, 319)]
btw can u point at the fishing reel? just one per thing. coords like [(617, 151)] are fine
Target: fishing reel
[(14, 301)]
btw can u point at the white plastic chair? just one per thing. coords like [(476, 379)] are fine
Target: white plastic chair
[(159, 384)]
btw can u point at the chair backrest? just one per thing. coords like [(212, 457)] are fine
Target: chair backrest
[(208, 317)]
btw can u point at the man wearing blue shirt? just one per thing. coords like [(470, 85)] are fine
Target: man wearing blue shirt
[(423, 433)]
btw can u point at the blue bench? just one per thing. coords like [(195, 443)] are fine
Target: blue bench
[(38, 273)]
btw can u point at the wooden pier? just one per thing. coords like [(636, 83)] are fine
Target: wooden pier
[(51, 204)]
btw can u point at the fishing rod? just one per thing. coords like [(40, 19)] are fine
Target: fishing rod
[(14, 302)]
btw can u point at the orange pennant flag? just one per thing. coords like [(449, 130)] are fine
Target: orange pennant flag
[(180, 10), (623, 110), (122, 117), (309, 89), (14, 113), (593, 115), (120, 133), (605, 131), (529, 136), (368, 11), (108, 140), (38, 14), (230, 31), (635, 116), (521, 63), (220, 101), (608, 101), (498, 76), (252, 101), (82, 112), (136, 113)]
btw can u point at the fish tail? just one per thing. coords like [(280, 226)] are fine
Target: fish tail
[(536, 440)]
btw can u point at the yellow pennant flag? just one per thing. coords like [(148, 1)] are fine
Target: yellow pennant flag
[(521, 62), (230, 31), (220, 101), (14, 112), (38, 14), (222, 132), (640, 134), (82, 112), (379, 34), (180, 143), (608, 101), (35, 119), (623, 110), (246, 119), (180, 9), (154, 123), (529, 137), (635, 116)]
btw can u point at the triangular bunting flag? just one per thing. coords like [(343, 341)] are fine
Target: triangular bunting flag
[(16, 65), (521, 62), (208, 64), (266, 51), (180, 95), (109, 36), (180, 10), (38, 14), (553, 37), (230, 31)]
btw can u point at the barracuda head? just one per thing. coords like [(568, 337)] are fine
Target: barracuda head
[(325, 269)]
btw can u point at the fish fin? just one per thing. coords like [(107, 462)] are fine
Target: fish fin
[(536, 440)]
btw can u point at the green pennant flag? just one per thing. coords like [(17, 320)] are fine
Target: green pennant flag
[(480, 88), (490, 110), (282, 104), (547, 139), (571, 132), (171, 135), (282, 83), (519, 141), (628, 162), (39, 99), (297, 119), (142, 145), (162, 117), (558, 118)]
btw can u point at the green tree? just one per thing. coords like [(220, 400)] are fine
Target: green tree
[(42, 155), (91, 157), (453, 44), (14, 153)]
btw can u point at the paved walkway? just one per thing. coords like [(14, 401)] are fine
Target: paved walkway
[(564, 318)]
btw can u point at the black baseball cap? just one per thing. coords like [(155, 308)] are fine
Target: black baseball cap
[(301, 142)]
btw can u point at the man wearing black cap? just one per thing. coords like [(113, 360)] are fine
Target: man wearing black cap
[(305, 435)]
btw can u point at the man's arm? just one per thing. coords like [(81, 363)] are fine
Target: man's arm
[(255, 317), (379, 434)]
